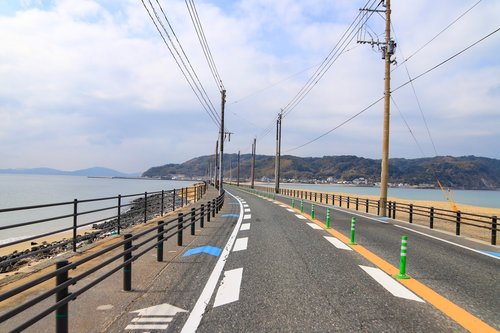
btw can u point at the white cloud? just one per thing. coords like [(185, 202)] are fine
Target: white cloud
[(91, 83)]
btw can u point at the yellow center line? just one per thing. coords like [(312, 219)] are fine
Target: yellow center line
[(455, 312)]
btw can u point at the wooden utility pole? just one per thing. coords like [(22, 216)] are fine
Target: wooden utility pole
[(216, 163), (389, 50), (222, 134), (278, 154), (252, 170), (238, 173)]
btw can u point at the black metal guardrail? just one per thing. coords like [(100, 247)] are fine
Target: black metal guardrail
[(111, 216), (431, 216), (133, 247)]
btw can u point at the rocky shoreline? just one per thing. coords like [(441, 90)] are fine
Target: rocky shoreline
[(45, 250)]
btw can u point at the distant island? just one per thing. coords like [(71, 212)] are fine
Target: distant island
[(89, 172), (465, 172)]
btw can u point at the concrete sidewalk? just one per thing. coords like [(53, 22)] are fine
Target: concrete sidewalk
[(96, 309)]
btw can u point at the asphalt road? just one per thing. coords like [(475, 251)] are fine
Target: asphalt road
[(269, 270)]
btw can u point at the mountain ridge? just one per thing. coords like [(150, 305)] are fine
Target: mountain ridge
[(89, 172), (463, 172)]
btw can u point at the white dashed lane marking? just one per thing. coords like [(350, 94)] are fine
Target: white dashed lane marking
[(247, 216), (314, 226), (390, 284), (247, 210), (337, 243), (245, 226), (290, 210), (229, 289), (240, 244), (300, 217)]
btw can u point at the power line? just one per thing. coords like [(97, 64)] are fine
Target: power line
[(446, 60), (193, 13), (437, 35), (188, 72), (396, 89), (334, 54)]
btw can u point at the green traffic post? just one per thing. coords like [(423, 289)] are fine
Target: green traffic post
[(402, 259), (328, 218), (301, 206), (293, 203), (312, 211), (353, 231)]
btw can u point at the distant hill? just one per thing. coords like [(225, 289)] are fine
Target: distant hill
[(92, 172), (465, 172)]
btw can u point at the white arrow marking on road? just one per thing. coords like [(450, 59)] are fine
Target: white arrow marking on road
[(229, 290), (337, 243), (159, 310), (390, 284), (154, 317)]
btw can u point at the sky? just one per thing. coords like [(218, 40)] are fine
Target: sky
[(91, 83)]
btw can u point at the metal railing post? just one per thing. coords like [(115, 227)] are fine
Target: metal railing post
[(367, 205), (180, 223), (214, 208), (208, 210), (348, 202), (193, 221), (326, 196), (118, 226), (493, 230), (75, 223), (62, 311), (159, 247), (182, 197), (410, 218), (340, 201), (457, 224), (173, 200), (162, 201), (431, 218), (127, 268), (202, 216), (145, 207), (357, 203), (378, 207), (394, 210)]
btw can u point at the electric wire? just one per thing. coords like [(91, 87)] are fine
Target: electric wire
[(207, 106), (416, 97), (339, 48), (347, 37), (437, 35), (396, 89), (193, 13), (199, 86)]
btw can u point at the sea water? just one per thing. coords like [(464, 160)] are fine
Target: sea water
[(29, 190)]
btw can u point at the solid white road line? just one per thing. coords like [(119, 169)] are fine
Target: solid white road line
[(301, 217), (240, 244), (314, 226), (247, 217), (245, 226), (229, 290), (337, 243), (447, 241), (390, 284), (192, 323)]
